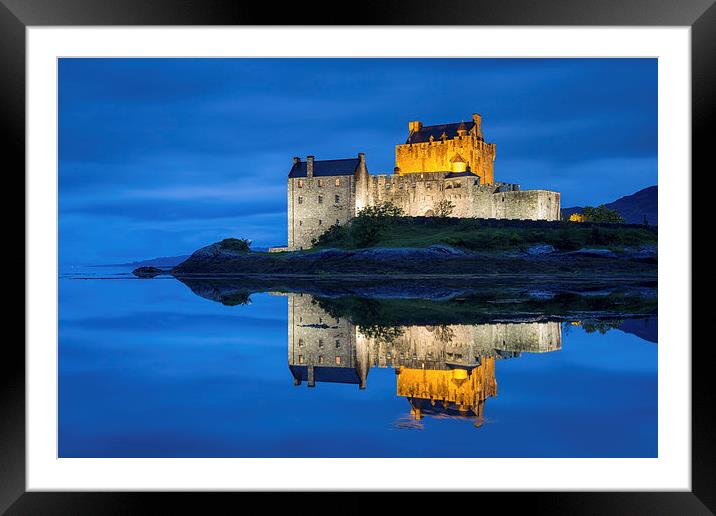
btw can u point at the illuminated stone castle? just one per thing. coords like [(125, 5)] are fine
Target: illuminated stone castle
[(446, 370), (449, 162)]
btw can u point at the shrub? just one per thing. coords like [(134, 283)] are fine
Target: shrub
[(443, 208), (334, 235), (601, 214), (241, 245)]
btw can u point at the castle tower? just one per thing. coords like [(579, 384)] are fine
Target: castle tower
[(322, 194), (432, 148)]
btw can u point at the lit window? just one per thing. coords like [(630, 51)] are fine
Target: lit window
[(300, 359), (338, 181), (300, 183), (320, 182), (338, 360)]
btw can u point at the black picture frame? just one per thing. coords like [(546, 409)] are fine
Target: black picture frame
[(17, 15)]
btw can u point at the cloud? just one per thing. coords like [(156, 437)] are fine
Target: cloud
[(159, 155)]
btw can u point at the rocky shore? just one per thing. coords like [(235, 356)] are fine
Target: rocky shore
[(437, 260)]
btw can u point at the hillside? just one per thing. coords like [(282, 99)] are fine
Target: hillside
[(633, 208)]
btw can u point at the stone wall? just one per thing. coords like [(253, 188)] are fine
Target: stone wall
[(437, 156), (418, 195), (313, 207)]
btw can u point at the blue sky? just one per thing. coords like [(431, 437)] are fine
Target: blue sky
[(159, 157)]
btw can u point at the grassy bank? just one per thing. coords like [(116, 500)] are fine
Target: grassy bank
[(487, 235)]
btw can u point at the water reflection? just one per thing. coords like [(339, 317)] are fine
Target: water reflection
[(445, 370)]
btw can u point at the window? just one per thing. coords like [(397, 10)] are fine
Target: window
[(300, 183), (300, 223), (320, 199), (338, 222), (300, 359), (320, 343), (338, 181), (338, 343), (320, 359), (338, 360), (300, 343), (338, 199), (300, 200), (320, 222), (320, 182)]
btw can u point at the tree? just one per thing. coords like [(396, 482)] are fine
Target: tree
[(371, 221), (241, 245), (385, 210), (601, 214), (443, 208)]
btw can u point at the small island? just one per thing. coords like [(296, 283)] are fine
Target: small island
[(439, 214)]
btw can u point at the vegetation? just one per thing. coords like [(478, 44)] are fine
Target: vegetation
[(444, 208), (365, 230), (383, 227), (241, 245), (601, 214), (236, 299), (380, 317)]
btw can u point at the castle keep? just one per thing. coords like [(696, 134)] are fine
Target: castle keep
[(448, 162)]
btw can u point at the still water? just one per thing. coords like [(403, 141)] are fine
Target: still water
[(159, 368)]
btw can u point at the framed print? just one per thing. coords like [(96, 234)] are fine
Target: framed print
[(419, 252)]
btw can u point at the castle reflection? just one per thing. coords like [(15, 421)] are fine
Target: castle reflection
[(442, 371)]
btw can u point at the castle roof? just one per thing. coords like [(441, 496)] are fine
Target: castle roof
[(331, 167), (423, 135), (326, 374), (450, 175)]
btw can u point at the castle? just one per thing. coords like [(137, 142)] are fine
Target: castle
[(448, 162)]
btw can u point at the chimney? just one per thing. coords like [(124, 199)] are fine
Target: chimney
[(478, 124), (296, 160), (414, 126), (361, 183), (309, 166)]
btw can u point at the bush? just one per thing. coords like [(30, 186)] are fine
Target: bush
[(443, 208), (333, 236), (364, 230), (601, 214), (241, 245)]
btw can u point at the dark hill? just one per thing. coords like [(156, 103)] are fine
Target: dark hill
[(633, 208)]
